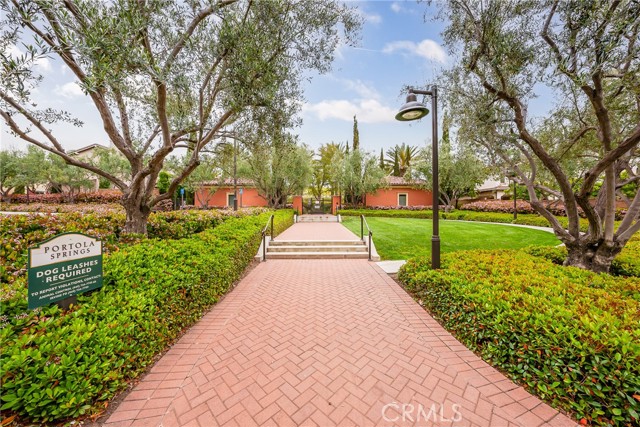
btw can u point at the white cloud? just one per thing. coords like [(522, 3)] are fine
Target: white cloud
[(374, 19), (361, 88), (369, 17), (367, 110), (396, 7), (427, 49), (42, 63), (69, 90)]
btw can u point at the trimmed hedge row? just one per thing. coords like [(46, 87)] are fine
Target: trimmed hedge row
[(103, 196), (523, 206), (570, 336), (460, 215), (19, 232), (57, 365)]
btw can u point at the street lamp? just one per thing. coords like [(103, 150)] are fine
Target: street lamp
[(414, 110), (513, 175)]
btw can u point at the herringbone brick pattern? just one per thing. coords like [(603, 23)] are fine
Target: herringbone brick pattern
[(323, 343)]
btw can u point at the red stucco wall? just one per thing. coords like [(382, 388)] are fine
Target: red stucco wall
[(248, 198), (389, 197)]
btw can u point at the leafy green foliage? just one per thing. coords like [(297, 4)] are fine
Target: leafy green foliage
[(57, 365), (569, 335), (523, 219), (19, 232)]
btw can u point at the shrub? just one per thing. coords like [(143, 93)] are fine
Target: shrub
[(459, 215), (103, 196), (569, 335), (57, 365), (99, 208), (506, 206), (19, 232), (390, 213)]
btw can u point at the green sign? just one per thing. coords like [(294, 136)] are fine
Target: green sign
[(63, 266)]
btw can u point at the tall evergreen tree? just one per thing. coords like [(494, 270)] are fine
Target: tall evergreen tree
[(396, 165), (356, 134), (382, 165)]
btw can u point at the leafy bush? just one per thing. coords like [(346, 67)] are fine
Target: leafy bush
[(459, 215), (506, 206), (103, 196), (569, 335), (99, 208), (503, 206), (391, 213), (56, 365), (19, 232)]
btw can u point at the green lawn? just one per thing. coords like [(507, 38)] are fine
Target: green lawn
[(404, 238)]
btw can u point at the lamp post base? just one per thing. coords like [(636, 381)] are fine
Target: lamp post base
[(435, 252)]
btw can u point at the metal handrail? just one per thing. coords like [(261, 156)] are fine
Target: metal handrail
[(363, 222), (264, 237)]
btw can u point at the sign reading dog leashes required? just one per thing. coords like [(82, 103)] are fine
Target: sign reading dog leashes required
[(63, 266)]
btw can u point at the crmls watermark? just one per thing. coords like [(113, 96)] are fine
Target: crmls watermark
[(407, 412)]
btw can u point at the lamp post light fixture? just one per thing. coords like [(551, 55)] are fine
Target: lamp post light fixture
[(414, 110), (512, 175)]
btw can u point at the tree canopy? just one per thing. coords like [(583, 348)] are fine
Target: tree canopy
[(587, 56), (164, 75)]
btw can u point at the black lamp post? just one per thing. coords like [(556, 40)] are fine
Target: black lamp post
[(512, 175), (414, 110)]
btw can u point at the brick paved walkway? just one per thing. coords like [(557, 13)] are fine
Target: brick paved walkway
[(317, 231), (324, 342)]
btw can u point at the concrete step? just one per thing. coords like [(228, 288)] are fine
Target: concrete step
[(317, 218), (316, 243), (321, 248), (317, 255)]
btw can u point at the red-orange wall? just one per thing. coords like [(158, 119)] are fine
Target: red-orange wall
[(248, 198), (389, 197)]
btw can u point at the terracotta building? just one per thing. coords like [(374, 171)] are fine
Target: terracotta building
[(221, 194), (400, 193)]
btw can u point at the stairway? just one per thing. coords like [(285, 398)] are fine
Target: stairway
[(317, 249), (317, 218)]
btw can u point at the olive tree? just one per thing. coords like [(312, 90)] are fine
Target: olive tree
[(163, 74), (587, 56), (279, 167), (357, 174)]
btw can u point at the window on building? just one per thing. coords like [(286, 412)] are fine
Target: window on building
[(402, 199), (230, 198)]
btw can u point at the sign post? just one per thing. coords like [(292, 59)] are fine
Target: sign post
[(62, 267)]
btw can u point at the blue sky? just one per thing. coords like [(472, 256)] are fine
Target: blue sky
[(397, 48)]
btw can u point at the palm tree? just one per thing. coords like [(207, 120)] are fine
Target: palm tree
[(399, 158)]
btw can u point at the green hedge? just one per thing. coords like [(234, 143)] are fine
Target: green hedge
[(461, 215), (57, 365), (570, 336), (19, 232)]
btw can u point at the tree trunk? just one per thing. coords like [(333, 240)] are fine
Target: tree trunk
[(593, 256), (137, 216)]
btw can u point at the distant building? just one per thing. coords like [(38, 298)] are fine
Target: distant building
[(87, 154), (220, 194), (400, 192), (492, 189)]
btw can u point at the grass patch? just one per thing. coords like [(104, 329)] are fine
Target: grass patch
[(404, 238)]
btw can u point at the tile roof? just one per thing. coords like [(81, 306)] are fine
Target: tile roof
[(399, 180)]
